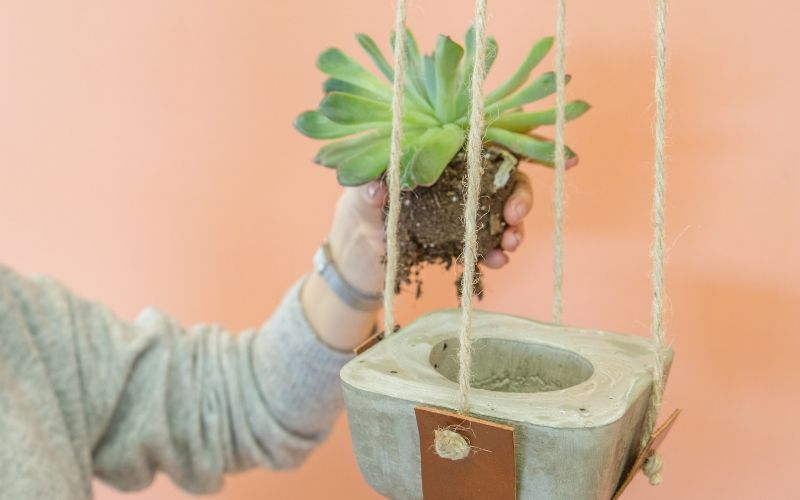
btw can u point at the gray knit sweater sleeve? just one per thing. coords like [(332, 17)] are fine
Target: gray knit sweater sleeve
[(125, 400)]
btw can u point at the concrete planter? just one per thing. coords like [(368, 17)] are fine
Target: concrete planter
[(576, 399)]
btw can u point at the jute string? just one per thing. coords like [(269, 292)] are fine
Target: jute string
[(393, 173), (653, 465), (474, 174), (446, 445), (560, 162), (450, 444)]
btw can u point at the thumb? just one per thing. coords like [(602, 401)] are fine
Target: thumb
[(374, 194), (369, 200)]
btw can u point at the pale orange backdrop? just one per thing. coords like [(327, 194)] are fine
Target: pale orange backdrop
[(147, 157)]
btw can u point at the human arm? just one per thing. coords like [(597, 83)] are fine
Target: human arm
[(129, 399)]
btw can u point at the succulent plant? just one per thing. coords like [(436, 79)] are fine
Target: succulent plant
[(356, 110)]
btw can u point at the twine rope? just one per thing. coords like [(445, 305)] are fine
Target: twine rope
[(450, 444), (560, 162), (474, 174), (393, 173), (652, 469), (654, 463)]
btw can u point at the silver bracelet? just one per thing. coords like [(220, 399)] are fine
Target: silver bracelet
[(347, 293)]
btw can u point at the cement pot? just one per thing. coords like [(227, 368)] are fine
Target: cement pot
[(576, 399)]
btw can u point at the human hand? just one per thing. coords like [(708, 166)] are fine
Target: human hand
[(357, 244), (359, 218)]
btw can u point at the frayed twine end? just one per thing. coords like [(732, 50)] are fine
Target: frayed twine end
[(450, 444), (652, 469)]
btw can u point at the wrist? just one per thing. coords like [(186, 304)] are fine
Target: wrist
[(336, 325), (327, 268)]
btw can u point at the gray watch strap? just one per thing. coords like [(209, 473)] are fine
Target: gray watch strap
[(350, 295)]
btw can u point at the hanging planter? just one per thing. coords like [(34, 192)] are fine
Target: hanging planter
[(464, 404), (575, 398)]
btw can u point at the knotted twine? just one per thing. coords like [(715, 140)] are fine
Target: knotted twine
[(652, 467), (474, 174), (447, 442)]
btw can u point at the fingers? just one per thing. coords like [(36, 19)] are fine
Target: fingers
[(515, 210), (374, 194), (520, 202), (495, 259), (512, 237), (571, 162), (365, 202)]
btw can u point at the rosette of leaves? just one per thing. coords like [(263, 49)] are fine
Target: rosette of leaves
[(356, 110)]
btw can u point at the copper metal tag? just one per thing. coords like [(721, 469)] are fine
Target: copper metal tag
[(488, 472), (652, 445)]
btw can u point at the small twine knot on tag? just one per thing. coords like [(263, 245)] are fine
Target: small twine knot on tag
[(652, 468), (450, 444)]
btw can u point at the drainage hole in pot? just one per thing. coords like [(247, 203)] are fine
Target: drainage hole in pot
[(505, 365)]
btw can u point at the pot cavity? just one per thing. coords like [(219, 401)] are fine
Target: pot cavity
[(505, 365)]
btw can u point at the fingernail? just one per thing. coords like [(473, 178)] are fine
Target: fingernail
[(372, 189), (519, 211), (571, 162), (519, 237)]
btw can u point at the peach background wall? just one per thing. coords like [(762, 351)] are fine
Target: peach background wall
[(147, 157)]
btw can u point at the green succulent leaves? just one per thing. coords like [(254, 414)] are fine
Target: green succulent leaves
[(426, 158), (520, 121), (446, 61), (318, 126), (356, 110), (535, 56)]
